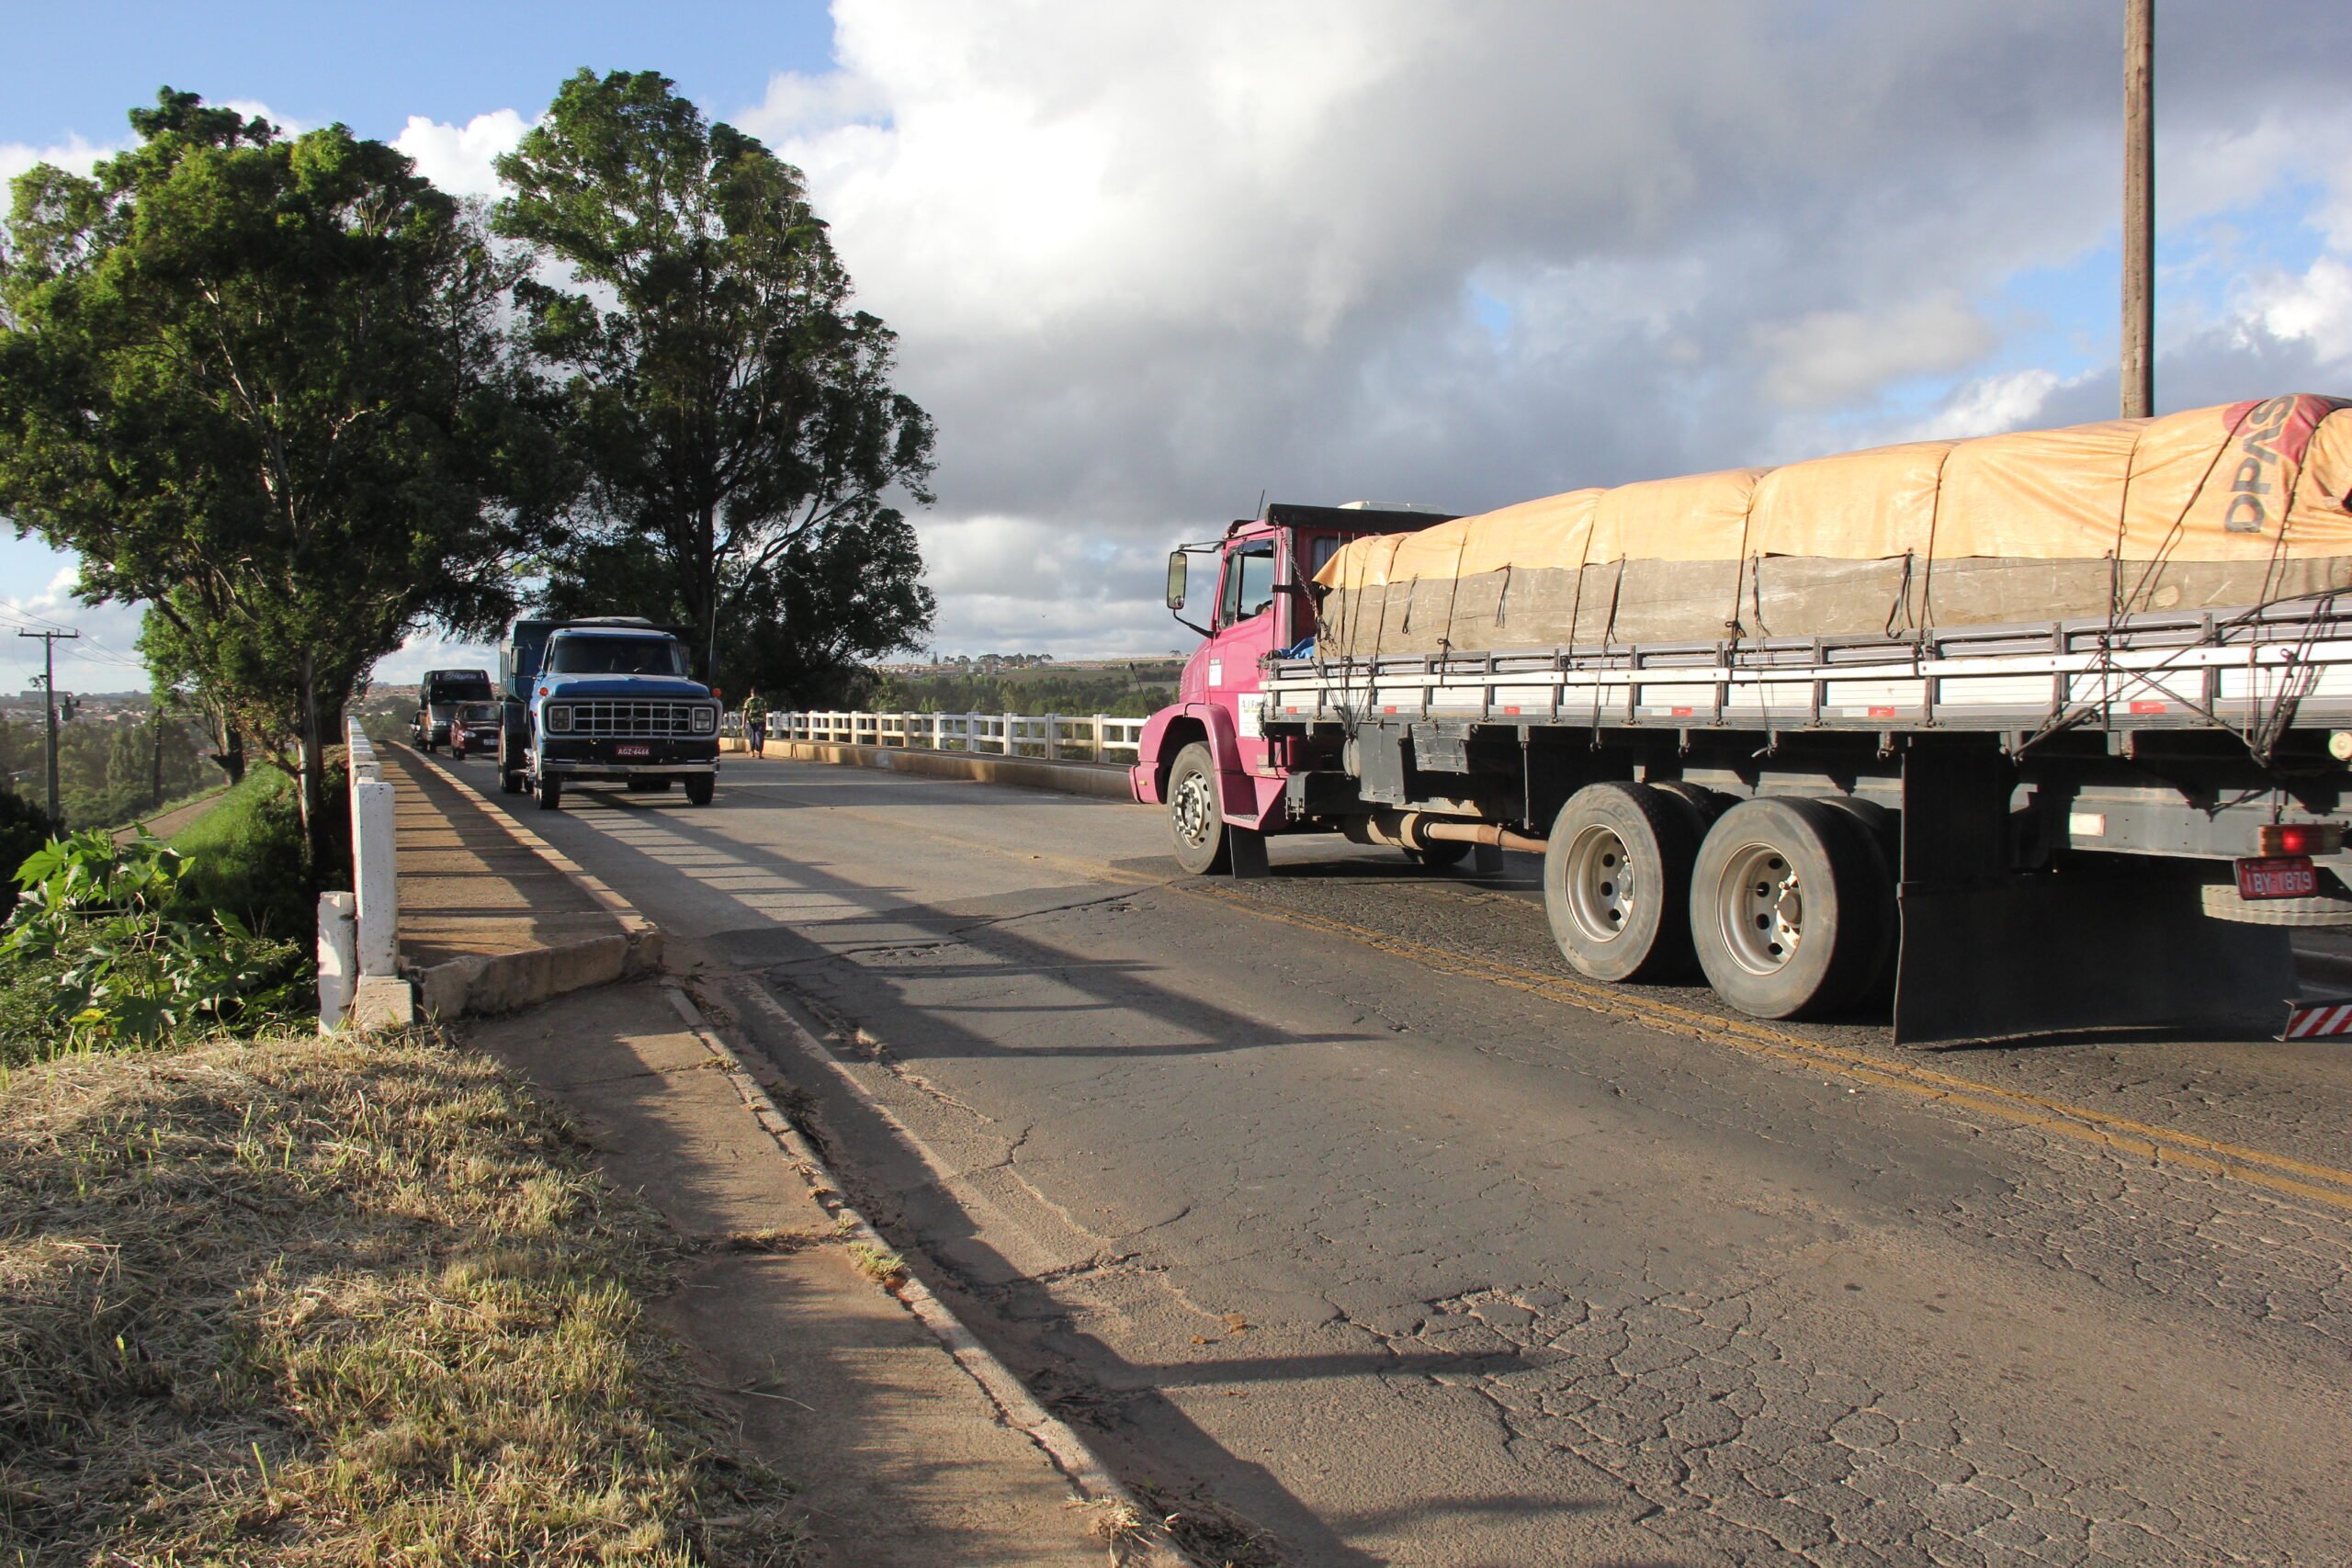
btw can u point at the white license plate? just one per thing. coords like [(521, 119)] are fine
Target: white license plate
[(632, 750), (2279, 877)]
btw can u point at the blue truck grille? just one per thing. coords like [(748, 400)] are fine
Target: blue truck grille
[(603, 717)]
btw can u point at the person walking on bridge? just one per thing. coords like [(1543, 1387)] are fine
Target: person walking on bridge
[(755, 723)]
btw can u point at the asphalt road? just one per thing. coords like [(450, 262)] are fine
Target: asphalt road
[(1354, 1231)]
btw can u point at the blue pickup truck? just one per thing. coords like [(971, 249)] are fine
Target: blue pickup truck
[(603, 701)]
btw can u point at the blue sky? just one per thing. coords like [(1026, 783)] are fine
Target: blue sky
[(75, 69), (76, 72), (1146, 260)]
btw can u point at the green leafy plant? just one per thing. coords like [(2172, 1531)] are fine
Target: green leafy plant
[(123, 962)]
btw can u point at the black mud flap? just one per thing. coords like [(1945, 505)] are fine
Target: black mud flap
[(2044, 955), (1246, 852)]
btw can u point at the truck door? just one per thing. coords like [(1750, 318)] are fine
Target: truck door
[(1247, 625)]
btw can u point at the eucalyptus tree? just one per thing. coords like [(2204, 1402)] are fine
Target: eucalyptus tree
[(263, 383), (733, 414)]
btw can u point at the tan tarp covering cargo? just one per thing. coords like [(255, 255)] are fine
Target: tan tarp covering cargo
[(2215, 508)]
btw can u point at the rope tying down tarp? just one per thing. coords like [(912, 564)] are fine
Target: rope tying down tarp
[(2264, 728)]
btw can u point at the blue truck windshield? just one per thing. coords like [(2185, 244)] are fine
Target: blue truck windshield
[(617, 655)]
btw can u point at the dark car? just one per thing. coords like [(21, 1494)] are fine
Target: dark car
[(439, 698), (474, 727)]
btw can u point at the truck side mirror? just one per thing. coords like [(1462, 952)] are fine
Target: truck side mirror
[(1175, 580)]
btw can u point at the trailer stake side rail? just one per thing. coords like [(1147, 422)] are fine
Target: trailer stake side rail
[(2255, 674)]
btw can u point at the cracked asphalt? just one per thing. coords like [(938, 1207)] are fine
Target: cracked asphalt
[(1350, 1230)]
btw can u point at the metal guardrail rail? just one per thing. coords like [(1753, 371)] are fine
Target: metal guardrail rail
[(1097, 738)]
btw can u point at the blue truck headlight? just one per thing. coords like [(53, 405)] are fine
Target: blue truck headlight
[(705, 720), (559, 720)]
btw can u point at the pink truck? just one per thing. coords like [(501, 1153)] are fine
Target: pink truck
[(1207, 756), (1988, 830)]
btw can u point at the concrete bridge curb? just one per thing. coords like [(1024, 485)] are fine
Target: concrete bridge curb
[(505, 981)]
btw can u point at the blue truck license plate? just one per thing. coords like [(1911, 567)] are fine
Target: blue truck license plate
[(632, 750), (2279, 877)]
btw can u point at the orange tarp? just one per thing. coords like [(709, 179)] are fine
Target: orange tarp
[(2245, 482)]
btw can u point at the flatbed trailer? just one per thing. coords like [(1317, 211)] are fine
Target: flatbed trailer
[(1992, 831)]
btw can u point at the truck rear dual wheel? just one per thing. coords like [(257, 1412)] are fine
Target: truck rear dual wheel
[(1195, 816), (1792, 908), (1617, 880)]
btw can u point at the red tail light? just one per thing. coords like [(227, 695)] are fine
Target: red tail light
[(2299, 838)]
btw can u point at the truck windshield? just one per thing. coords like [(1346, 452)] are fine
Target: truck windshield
[(459, 689), (617, 655)]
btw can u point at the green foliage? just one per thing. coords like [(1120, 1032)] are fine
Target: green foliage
[(24, 828), (262, 383), (108, 771), (734, 416), (247, 855), (103, 929)]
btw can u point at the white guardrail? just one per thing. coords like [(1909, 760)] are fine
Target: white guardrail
[(1093, 737), (358, 931)]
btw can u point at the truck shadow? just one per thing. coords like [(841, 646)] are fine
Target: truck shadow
[(883, 948)]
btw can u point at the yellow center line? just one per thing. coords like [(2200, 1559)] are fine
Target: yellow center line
[(2161, 1145), (2164, 1145)]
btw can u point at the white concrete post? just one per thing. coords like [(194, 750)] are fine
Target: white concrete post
[(1012, 728), (374, 875), (381, 996), (1052, 752), (338, 959), (1101, 737)]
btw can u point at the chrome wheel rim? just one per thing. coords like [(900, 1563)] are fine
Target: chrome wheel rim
[(1760, 908), (1602, 893), (1192, 811)]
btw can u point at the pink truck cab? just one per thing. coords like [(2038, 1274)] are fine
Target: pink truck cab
[(1207, 756)]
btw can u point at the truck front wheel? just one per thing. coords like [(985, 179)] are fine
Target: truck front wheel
[(550, 792), (1196, 817), (1791, 908), (700, 788), (1617, 880)]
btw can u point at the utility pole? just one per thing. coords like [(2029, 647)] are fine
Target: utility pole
[(48, 706), (2139, 208)]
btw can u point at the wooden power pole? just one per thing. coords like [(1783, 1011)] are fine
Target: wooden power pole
[(2139, 208)]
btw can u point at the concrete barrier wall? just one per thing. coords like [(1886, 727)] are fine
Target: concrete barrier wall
[(1103, 781)]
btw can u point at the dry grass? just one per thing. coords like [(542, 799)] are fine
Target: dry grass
[(310, 1303)]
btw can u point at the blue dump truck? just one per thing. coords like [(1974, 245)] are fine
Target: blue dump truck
[(603, 701)]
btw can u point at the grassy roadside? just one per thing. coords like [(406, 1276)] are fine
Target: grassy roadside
[(310, 1301), (248, 855)]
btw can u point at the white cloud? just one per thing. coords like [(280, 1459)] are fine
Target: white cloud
[(1990, 405), (103, 658), (460, 158), (1145, 262), (797, 105), (73, 155), (2315, 307), (1828, 357)]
